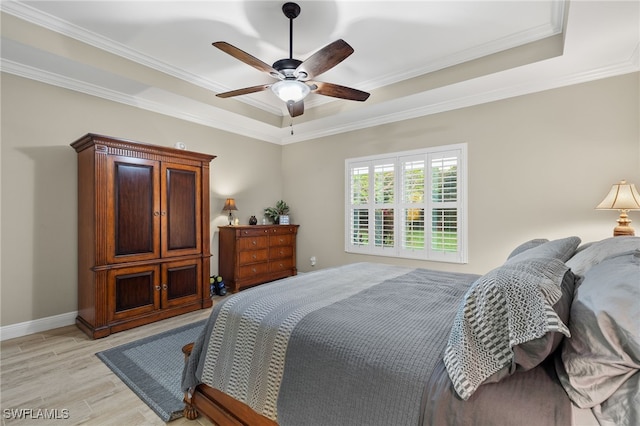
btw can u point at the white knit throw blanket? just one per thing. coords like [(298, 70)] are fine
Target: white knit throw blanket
[(508, 306)]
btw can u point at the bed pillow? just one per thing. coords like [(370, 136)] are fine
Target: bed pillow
[(561, 249), (604, 349), (509, 307), (623, 407), (527, 245), (596, 252)]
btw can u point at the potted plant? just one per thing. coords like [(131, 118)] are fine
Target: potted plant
[(274, 213)]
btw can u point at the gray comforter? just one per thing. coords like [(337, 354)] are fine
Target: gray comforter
[(361, 343)]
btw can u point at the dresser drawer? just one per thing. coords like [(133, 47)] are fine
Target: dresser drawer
[(283, 229), (252, 256), (280, 252), (253, 242), (251, 232), (280, 265), (254, 270), (280, 240)]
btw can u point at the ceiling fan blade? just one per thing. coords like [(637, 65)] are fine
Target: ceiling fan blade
[(295, 108), (245, 91), (324, 59), (246, 58), (337, 91)]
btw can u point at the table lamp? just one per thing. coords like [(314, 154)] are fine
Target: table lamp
[(623, 197), (230, 205)]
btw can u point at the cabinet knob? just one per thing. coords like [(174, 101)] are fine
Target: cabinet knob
[(156, 213), (164, 213), (157, 288), (164, 287)]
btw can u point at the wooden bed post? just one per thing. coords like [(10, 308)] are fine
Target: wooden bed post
[(189, 411)]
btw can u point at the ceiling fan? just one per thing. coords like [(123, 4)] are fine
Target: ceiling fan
[(295, 77)]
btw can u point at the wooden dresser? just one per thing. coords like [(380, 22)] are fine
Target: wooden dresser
[(143, 233), (255, 254)]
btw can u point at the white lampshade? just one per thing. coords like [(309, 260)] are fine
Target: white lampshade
[(290, 90), (623, 196)]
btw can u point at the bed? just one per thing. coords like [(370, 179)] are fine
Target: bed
[(549, 337)]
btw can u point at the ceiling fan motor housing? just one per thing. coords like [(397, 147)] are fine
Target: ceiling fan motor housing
[(287, 67)]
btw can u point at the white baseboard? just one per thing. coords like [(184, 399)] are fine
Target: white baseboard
[(38, 325)]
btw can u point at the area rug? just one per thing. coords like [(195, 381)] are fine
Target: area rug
[(152, 368)]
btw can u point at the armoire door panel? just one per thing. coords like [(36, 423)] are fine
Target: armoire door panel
[(180, 210), (134, 204), (180, 282), (133, 291)]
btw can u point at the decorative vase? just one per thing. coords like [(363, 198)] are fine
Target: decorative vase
[(253, 220)]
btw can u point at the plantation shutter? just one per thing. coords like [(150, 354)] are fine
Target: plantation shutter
[(409, 205), (359, 205), (444, 209)]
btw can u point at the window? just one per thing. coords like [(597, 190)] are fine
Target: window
[(408, 204)]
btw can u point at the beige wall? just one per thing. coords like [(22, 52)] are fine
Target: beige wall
[(39, 202), (538, 165)]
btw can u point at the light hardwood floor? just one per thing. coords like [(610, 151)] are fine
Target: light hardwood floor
[(58, 370)]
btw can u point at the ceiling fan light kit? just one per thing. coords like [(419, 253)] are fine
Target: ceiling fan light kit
[(290, 90), (294, 75)]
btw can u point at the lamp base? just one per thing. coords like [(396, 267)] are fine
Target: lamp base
[(624, 227), (619, 231)]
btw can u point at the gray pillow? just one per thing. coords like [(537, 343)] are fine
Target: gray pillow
[(604, 349), (596, 252), (527, 245), (623, 407), (561, 249)]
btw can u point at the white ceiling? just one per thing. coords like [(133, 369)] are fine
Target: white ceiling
[(414, 57)]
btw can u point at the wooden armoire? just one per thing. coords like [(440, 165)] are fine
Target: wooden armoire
[(143, 233)]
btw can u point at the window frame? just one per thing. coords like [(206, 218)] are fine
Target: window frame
[(399, 205)]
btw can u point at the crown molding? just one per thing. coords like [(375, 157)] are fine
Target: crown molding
[(403, 109)]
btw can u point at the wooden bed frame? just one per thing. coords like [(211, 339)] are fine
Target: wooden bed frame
[(219, 407)]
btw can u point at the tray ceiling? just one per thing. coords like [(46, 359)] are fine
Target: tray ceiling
[(415, 58)]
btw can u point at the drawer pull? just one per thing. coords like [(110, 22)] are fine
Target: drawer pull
[(254, 243), (254, 256), (281, 240), (281, 252), (253, 270)]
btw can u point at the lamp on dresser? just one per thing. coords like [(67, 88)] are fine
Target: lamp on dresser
[(230, 205), (623, 196)]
